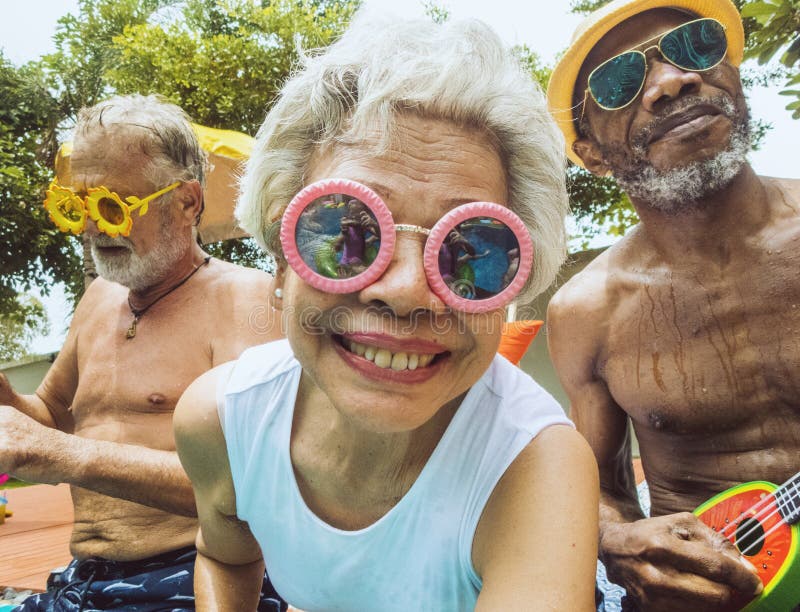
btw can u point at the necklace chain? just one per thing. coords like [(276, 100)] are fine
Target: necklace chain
[(138, 312)]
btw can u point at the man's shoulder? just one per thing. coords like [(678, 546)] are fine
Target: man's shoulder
[(789, 183), (592, 291), (102, 292), (590, 282), (787, 190), (232, 280)]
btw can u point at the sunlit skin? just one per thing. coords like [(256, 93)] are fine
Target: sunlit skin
[(691, 135), (116, 395), (404, 182), (690, 327), (362, 434)]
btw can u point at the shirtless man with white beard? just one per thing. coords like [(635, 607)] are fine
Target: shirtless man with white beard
[(689, 327), (162, 313)]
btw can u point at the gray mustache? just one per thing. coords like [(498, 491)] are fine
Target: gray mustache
[(107, 241), (722, 101)]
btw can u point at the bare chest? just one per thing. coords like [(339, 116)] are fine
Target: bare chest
[(129, 386), (693, 353)]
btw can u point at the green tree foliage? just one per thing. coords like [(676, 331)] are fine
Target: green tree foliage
[(221, 60), (85, 50), (20, 326), (777, 32), (32, 250)]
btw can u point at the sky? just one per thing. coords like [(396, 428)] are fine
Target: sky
[(27, 27)]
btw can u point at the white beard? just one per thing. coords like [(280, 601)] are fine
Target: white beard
[(138, 272), (681, 189)]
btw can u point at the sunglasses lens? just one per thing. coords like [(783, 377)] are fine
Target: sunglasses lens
[(111, 211), (337, 236), (697, 45), (616, 82), (479, 258), (71, 208)]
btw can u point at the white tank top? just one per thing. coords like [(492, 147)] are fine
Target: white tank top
[(417, 557)]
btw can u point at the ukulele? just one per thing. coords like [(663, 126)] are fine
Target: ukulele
[(761, 520)]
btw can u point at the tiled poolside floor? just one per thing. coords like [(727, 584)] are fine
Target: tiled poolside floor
[(36, 538)]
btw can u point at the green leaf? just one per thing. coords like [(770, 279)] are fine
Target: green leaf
[(761, 11)]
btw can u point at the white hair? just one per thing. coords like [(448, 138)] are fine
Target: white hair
[(458, 71), (164, 130)]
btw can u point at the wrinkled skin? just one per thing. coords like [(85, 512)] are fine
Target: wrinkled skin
[(689, 329)]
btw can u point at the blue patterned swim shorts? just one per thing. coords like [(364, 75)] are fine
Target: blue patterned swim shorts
[(163, 583)]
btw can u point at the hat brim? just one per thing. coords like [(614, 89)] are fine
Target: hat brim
[(562, 80)]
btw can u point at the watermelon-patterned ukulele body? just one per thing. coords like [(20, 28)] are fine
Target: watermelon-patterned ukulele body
[(761, 519)]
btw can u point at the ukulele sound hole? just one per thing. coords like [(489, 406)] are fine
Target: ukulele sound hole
[(749, 537)]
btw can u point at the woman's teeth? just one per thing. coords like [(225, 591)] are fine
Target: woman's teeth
[(384, 358)]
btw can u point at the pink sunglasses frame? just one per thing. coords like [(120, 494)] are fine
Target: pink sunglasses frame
[(435, 238)]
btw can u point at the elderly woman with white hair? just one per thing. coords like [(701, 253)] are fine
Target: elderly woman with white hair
[(410, 183)]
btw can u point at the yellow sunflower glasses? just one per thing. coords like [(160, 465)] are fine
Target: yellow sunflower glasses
[(111, 213)]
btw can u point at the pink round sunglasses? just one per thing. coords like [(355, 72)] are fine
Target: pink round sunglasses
[(339, 237)]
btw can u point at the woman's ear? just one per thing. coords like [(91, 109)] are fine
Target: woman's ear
[(276, 299), (591, 156)]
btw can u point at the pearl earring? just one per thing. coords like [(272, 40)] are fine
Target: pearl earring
[(278, 293)]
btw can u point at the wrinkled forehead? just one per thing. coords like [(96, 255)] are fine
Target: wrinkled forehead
[(106, 154), (628, 35)]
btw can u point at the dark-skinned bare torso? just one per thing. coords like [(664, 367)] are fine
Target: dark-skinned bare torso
[(701, 349), (687, 327)]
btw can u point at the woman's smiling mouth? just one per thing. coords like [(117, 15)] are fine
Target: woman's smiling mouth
[(388, 358)]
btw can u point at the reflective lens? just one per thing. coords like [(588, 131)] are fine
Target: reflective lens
[(337, 236), (71, 208), (697, 45), (617, 82), (111, 211), (479, 258)]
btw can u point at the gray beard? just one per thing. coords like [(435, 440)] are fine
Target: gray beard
[(682, 189), (138, 272)]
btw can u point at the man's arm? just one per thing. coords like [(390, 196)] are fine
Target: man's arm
[(36, 453), (536, 543), (665, 563), (229, 568), (50, 405), (37, 445)]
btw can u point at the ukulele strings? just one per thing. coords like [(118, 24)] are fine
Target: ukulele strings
[(755, 509), (771, 504), (757, 543), (760, 519)]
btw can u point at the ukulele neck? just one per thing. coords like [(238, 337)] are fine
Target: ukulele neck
[(787, 497)]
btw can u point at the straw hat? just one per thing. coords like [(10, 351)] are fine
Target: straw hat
[(597, 25)]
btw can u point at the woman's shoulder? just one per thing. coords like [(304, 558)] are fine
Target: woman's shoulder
[(261, 364), (518, 398)]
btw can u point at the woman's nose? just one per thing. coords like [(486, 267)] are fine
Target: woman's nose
[(667, 82), (403, 287)]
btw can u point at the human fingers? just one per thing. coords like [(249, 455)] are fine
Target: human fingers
[(712, 555), (666, 590), (678, 557), (700, 559), (6, 390)]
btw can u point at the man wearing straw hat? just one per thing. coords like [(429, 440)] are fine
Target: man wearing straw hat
[(162, 313), (689, 327)]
